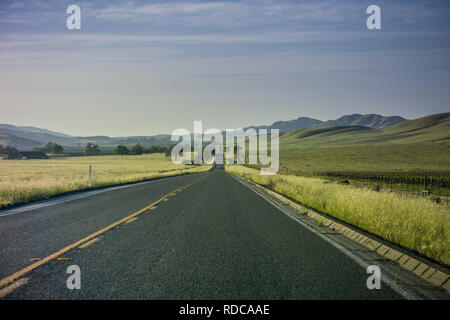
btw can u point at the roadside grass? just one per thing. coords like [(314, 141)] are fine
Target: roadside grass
[(412, 222), (400, 167), (320, 222), (25, 180)]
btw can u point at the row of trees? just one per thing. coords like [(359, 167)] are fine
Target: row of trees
[(12, 153), (138, 149), (90, 150), (51, 147), (93, 149), (9, 152)]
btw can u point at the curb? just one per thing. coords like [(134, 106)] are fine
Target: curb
[(421, 269)]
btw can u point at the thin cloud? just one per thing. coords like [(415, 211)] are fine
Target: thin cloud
[(222, 14)]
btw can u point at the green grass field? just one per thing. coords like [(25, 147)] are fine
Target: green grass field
[(425, 157), (416, 145), (412, 222), (25, 180)]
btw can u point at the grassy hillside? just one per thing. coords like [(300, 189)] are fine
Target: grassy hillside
[(416, 145), (377, 157), (434, 128), (12, 140), (365, 120)]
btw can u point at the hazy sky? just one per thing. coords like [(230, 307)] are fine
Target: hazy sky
[(148, 67)]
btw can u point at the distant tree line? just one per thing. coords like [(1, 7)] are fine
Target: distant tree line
[(139, 149), (122, 150), (9, 152), (12, 153), (91, 149), (51, 147)]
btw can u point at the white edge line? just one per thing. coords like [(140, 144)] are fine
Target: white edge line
[(31, 207), (390, 281)]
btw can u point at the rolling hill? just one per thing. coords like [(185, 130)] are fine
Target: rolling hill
[(12, 140), (434, 128), (25, 138), (415, 145), (33, 137), (362, 120), (365, 120), (283, 126), (310, 131)]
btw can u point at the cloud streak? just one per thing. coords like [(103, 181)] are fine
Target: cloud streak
[(220, 14)]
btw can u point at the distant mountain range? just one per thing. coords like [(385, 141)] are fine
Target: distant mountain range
[(283, 126), (362, 120), (434, 128), (25, 138)]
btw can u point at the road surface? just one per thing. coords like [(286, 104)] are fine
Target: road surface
[(213, 239)]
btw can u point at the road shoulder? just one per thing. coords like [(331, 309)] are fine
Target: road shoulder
[(407, 273)]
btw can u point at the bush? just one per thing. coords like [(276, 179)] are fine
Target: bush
[(52, 147), (137, 149), (122, 150), (91, 149)]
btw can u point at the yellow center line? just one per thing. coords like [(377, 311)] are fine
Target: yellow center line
[(11, 288), (87, 244), (26, 270), (130, 220)]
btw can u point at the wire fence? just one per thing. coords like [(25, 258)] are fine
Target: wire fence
[(435, 186)]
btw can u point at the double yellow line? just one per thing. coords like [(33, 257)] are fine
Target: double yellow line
[(10, 279)]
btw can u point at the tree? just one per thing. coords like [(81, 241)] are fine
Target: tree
[(121, 150), (10, 152), (57, 149), (1, 149), (151, 149), (91, 149), (96, 149), (52, 147), (168, 151), (137, 149), (155, 149)]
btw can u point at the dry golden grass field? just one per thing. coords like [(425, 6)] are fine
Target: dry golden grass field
[(24, 180)]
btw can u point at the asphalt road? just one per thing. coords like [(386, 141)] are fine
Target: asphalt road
[(215, 239)]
